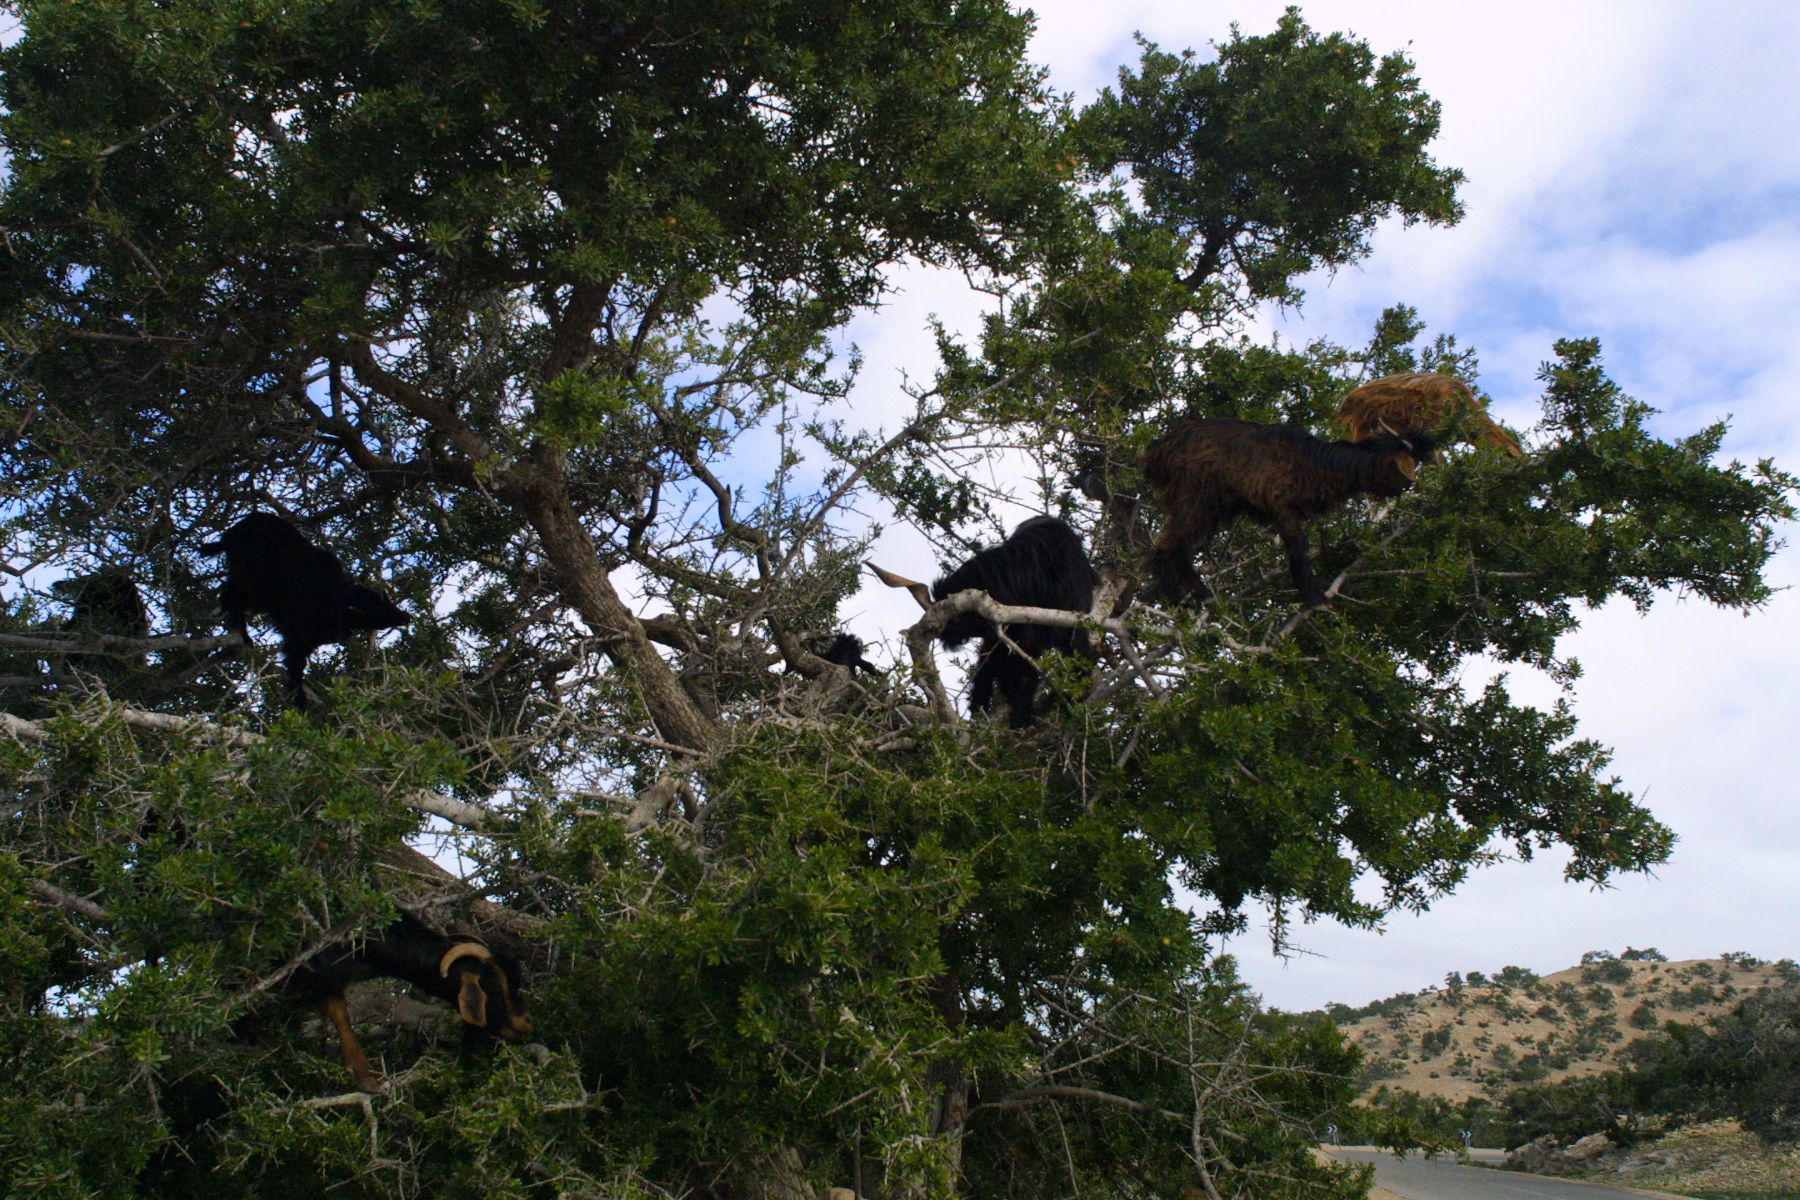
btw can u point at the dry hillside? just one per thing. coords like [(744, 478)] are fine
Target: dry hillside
[(1483, 1037)]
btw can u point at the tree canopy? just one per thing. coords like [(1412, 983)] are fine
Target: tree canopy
[(534, 313)]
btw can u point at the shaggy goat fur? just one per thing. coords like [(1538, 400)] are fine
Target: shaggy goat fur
[(483, 985), (105, 602), (1206, 473), (1042, 565), (1418, 400), (846, 650), (271, 568)]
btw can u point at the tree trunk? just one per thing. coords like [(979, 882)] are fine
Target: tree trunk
[(536, 486)]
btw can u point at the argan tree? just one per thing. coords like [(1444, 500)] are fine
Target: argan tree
[(533, 313)]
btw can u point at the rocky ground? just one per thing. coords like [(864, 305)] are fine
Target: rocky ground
[(1717, 1158)]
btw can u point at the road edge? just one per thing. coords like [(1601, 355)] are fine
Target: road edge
[(1380, 1193)]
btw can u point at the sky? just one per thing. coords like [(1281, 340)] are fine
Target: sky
[(1633, 175)]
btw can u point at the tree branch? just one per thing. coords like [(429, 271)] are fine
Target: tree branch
[(457, 812), (74, 903)]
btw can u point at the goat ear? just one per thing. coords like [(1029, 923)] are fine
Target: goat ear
[(919, 591), (471, 1001), (1409, 467)]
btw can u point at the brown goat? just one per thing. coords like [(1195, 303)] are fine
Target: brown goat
[(1206, 473), (1420, 400), (483, 985)]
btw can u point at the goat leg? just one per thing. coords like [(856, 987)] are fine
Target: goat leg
[(1293, 539), (296, 655), (1172, 572), (987, 673), (1019, 684), (337, 1010)]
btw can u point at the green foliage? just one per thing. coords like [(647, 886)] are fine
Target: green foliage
[(1606, 970), (1572, 1109), (1403, 1119), (1741, 1065), (1394, 1005), (1275, 158), (1744, 1064)]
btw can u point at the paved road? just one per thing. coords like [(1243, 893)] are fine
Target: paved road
[(1418, 1178)]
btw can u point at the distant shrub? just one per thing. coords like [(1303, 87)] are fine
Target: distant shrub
[(1694, 997), (1343, 1014), (1610, 970)]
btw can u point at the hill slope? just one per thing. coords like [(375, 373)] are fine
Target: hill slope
[(1483, 1037)]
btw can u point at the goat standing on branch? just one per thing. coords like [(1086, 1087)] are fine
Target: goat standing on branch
[(484, 986), (105, 602), (1206, 473), (1419, 400), (271, 568), (1042, 565)]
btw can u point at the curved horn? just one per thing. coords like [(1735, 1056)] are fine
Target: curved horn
[(1389, 428), (919, 591), (462, 950)]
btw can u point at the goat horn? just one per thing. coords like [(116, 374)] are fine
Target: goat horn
[(919, 591), (1389, 428), (461, 950)]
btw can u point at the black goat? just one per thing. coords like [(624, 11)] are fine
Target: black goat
[(105, 602), (1042, 565), (271, 568), (1208, 472), (846, 650), (484, 986)]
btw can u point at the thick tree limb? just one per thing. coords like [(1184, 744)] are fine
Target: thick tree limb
[(372, 375), (538, 487), (62, 899), (53, 641)]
